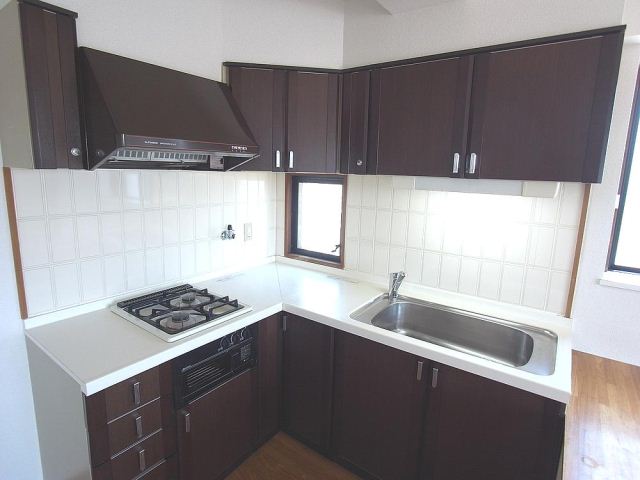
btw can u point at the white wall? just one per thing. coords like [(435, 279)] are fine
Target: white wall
[(607, 319), (19, 451), (195, 36), (372, 35)]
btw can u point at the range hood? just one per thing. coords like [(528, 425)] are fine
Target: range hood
[(138, 115)]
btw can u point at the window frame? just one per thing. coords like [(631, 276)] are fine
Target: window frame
[(292, 180), (624, 184)]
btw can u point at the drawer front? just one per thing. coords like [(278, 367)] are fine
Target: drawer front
[(130, 428), (132, 393), (138, 458), (167, 470)]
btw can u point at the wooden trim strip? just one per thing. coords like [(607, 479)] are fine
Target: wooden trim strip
[(15, 242), (579, 242)]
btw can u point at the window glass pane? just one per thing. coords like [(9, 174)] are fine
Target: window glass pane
[(319, 217), (628, 251)]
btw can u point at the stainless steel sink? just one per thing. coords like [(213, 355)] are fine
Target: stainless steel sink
[(527, 348)]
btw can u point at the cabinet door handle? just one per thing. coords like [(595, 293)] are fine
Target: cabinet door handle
[(142, 462), (419, 371), (359, 163), (136, 393), (472, 163), (187, 421), (284, 323), (75, 151), (290, 158), (277, 158), (434, 377), (456, 162), (138, 421)]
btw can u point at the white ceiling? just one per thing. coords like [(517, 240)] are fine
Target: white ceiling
[(398, 6)]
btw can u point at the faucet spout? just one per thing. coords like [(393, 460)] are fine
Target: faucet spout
[(395, 280)]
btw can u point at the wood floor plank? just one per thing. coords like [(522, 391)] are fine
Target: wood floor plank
[(603, 421), (283, 458)]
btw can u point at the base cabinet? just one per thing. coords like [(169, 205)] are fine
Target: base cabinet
[(379, 393), (481, 429), (307, 366), (217, 430)]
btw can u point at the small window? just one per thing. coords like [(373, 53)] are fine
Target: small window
[(315, 218), (625, 247)]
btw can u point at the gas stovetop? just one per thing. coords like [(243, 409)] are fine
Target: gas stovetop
[(179, 311)]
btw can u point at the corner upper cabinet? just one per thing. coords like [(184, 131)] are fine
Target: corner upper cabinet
[(312, 125), (543, 112), (355, 122), (40, 122), (418, 119), (261, 96)]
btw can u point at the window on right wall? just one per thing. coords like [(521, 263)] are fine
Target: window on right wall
[(624, 254)]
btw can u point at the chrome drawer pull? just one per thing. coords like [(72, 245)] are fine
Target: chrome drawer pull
[(277, 158), (136, 393), (138, 420), (419, 372), (142, 462), (456, 162), (434, 378)]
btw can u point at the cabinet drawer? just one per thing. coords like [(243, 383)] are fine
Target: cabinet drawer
[(138, 458), (166, 470), (133, 426), (131, 393)]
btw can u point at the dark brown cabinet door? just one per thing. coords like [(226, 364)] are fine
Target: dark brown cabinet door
[(355, 122), (217, 430), (49, 47), (543, 112), (481, 429), (307, 380), (379, 402), (261, 96), (312, 126), (269, 376), (419, 118)]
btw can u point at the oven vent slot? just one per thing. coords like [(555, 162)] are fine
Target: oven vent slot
[(205, 374)]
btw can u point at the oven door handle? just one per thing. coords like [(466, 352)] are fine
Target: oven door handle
[(186, 416)]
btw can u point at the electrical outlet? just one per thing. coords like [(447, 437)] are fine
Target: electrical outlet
[(248, 232)]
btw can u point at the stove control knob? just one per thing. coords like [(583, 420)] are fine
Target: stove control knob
[(243, 334), (225, 342), (235, 338)]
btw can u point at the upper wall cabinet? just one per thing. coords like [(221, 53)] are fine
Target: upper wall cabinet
[(293, 115), (543, 112), (40, 122), (312, 126), (419, 118), (261, 96), (536, 111)]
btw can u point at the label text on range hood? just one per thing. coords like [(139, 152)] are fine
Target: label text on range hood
[(166, 144), (239, 148)]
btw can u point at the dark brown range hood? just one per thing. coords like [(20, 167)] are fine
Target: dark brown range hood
[(138, 115)]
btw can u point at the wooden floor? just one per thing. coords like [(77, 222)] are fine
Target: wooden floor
[(283, 458), (602, 433), (602, 438)]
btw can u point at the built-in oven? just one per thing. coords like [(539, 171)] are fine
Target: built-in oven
[(216, 398), (203, 369)]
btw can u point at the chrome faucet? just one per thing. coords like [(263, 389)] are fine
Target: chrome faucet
[(395, 280)]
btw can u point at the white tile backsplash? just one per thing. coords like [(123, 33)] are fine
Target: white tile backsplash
[(91, 235), (513, 249)]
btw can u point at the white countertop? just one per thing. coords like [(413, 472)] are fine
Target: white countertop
[(99, 348)]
